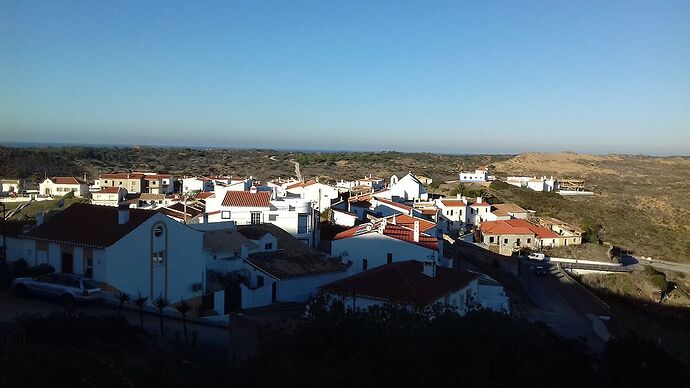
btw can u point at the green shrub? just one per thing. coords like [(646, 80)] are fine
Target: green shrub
[(498, 185)]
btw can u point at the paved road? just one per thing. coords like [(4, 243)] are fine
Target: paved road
[(659, 264), (554, 308)]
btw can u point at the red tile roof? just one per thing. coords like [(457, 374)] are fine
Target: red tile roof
[(247, 199), (122, 175), (394, 231), (67, 180), (89, 225), (204, 195), (453, 203), (403, 282), (480, 204), (408, 222), (108, 190), (515, 226)]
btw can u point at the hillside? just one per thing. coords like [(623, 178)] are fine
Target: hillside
[(641, 203)]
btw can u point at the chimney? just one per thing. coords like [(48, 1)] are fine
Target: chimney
[(479, 199), (394, 220), (40, 217), (464, 200), (252, 189), (429, 268), (244, 251), (459, 197), (122, 214), (416, 231)]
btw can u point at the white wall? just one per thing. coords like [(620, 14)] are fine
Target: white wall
[(344, 219), (375, 248), (300, 289)]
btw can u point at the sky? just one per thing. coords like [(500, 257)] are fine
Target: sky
[(436, 76)]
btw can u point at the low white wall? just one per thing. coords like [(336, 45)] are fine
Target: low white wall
[(564, 260), (257, 297)]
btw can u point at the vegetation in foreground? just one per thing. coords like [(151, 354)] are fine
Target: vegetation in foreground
[(386, 347)]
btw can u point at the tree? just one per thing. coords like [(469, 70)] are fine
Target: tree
[(141, 302), (122, 298), (160, 303), (183, 308)]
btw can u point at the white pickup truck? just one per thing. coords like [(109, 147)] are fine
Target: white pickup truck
[(536, 256)]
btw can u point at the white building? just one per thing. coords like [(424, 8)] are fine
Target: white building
[(9, 185), (375, 184), (294, 215), (285, 270), (460, 213), (196, 184), (417, 284), (61, 185), (533, 183), (405, 188), (109, 196), (478, 175), (132, 250), (320, 195), (375, 244)]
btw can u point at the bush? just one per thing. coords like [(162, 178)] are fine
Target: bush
[(21, 268), (498, 185), (656, 278)]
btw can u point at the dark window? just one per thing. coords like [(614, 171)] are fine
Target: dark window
[(491, 239), (256, 218), (259, 281), (517, 242), (365, 264), (389, 258), (273, 217), (158, 230), (505, 241), (529, 240), (225, 214), (302, 223), (268, 246)]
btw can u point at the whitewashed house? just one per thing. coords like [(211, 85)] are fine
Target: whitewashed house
[(478, 175), (343, 217), (131, 250), (419, 284), (378, 243), (197, 184), (61, 185), (533, 183), (278, 268), (405, 188), (109, 196), (294, 215), (320, 195), (9, 185), (460, 213)]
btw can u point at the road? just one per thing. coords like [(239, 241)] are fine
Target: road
[(297, 171), (659, 264), (555, 307)]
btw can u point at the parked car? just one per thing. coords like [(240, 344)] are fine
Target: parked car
[(539, 271), (536, 256), (68, 287)]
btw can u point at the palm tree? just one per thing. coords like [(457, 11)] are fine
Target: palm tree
[(123, 298), (160, 303), (140, 302), (183, 308)]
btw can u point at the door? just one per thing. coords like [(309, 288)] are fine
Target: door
[(66, 263), (274, 292)]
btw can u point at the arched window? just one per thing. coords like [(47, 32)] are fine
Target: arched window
[(158, 230)]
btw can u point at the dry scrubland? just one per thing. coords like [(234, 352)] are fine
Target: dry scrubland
[(642, 203)]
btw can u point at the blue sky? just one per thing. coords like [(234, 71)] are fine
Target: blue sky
[(456, 76)]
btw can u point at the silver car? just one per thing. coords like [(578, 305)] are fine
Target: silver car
[(68, 287)]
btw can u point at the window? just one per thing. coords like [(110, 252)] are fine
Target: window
[(451, 213), (272, 217), (529, 240), (517, 242), (157, 258), (225, 214), (259, 281), (505, 241), (268, 246), (365, 264), (106, 181), (158, 230), (389, 258), (256, 218), (302, 223), (491, 240)]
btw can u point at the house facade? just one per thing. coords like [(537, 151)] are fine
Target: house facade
[(61, 185), (132, 250), (320, 195), (478, 175), (109, 196)]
